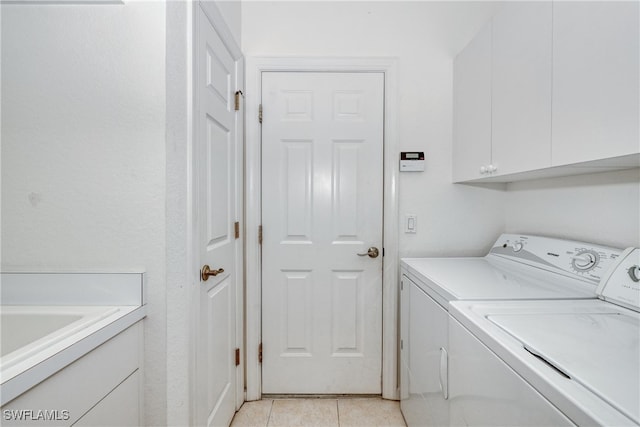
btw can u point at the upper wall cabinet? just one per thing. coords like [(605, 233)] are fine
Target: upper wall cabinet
[(502, 95), (521, 88), (562, 96), (472, 108), (595, 80)]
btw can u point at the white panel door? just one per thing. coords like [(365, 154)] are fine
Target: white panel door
[(216, 214), (322, 178)]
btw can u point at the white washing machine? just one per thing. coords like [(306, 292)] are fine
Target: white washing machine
[(517, 267), (579, 357)]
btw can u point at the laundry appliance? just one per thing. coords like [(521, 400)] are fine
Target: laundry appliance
[(518, 268), (578, 358)]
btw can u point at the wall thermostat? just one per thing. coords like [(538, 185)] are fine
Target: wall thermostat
[(412, 161)]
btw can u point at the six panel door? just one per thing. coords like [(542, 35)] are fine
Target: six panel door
[(215, 166), (322, 184)]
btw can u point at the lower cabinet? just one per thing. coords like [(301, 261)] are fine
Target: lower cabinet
[(102, 388)]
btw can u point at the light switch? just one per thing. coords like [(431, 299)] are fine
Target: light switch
[(411, 224)]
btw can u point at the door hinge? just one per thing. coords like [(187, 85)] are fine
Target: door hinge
[(237, 356), (401, 285), (382, 251), (259, 234), (236, 229), (260, 353), (238, 94), (260, 113), (401, 345)]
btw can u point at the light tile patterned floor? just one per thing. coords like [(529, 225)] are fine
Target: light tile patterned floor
[(343, 412)]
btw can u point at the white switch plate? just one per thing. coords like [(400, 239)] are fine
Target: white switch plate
[(411, 224)]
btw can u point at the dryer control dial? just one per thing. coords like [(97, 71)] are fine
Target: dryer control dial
[(634, 273), (585, 260)]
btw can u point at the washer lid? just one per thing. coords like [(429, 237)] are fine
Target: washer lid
[(600, 350)]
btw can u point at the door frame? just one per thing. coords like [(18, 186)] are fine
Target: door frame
[(255, 66)]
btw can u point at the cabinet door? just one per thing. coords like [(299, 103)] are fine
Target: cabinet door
[(595, 80), (472, 108), (521, 88)]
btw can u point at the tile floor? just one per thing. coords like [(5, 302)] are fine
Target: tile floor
[(320, 412)]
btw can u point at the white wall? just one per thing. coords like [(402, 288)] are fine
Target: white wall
[(231, 12), (424, 36), (179, 281), (83, 150), (601, 208)]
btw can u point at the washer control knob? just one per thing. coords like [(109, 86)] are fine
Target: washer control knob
[(634, 273), (584, 261), (517, 246)]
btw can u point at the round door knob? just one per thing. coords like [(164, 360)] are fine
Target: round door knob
[(372, 252), (483, 169), (206, 272)]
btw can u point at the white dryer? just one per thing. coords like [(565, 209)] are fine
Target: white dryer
[(518, 267), (580, 357)]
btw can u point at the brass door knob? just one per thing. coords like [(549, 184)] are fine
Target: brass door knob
[(206, 272), (372, 252)]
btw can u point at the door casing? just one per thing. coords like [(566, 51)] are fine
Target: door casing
[(255, 66)]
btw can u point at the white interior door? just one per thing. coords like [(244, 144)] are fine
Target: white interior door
[(322, 186), (216, 214)]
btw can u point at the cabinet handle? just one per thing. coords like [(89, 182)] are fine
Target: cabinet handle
[(488, 169)]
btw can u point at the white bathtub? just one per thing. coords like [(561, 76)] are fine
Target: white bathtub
[(37, 341), (28, 330), (50, 320)]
